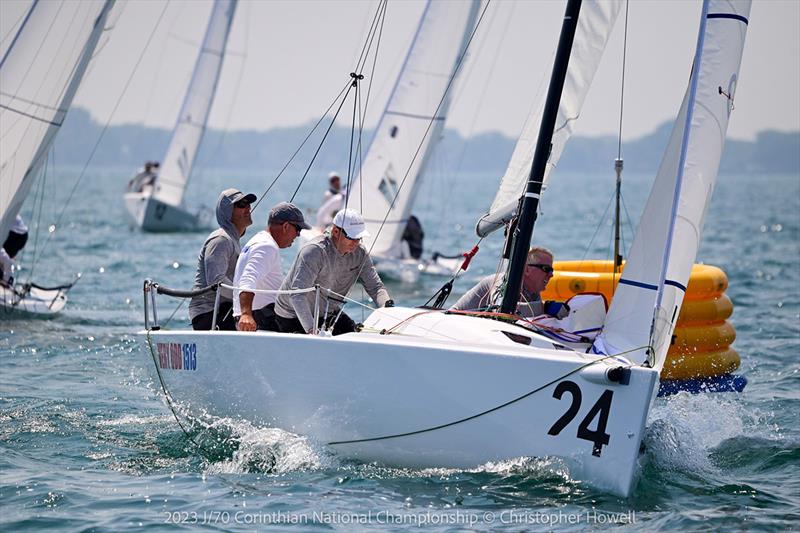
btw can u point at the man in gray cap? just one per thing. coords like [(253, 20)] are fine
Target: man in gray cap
[(333, 261), (260, 267), (217, 260)]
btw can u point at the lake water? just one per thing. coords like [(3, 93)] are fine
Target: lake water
[(89, 444)]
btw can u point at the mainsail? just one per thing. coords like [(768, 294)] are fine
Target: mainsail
[(651, 291), (39, 75), (594, 28), (405, 137), (182, 152)]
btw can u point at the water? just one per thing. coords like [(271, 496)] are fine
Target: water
[(89, 444)]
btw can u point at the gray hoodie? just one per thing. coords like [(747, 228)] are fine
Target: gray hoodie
[(217, 260), (320, 263)]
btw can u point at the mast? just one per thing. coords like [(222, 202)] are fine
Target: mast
[(521, 236)]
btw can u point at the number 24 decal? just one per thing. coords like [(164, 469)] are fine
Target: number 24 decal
[(599, 410)]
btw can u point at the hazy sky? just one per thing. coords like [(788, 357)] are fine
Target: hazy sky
[(287, 60)]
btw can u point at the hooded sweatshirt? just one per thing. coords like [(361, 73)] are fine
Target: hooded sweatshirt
[(217, 260)]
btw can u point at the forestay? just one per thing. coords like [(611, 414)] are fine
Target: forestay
[(594, 28), (404, 138), (39, 75), (191, 125), (651, 291)]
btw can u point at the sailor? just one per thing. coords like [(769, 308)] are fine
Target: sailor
[(17, 237), (334, 186), (260, 267), (332, 201), (335, 261), (217, 260), (144, 178), (538, 272), (413, 237)]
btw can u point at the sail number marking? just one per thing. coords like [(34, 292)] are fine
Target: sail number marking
[(598, 436), (177, 356)]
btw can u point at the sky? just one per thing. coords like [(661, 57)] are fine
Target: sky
[(288, 59)]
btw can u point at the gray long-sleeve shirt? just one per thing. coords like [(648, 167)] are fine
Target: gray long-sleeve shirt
[(481, 296), (319, 263), (217, 260)]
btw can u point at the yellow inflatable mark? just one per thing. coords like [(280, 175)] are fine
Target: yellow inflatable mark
[(701, 345)]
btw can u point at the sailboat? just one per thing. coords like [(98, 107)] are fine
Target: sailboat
[(422, 387), (155, 201), (39, 74), (409, 129)]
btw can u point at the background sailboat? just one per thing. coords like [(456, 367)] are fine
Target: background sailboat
[(39, 75), (155, 202), (411, 125)]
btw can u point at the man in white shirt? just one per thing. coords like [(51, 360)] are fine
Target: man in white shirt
[(259, 267)]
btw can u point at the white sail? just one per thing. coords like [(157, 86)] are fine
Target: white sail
[(179, 159), (594, 28), (651, 291), (39, 75), (399, 152)]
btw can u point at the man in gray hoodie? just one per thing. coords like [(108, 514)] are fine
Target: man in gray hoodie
[(333, 261), (217, 260)]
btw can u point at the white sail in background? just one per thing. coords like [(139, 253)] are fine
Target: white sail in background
[(400, 150), (39, 75), (591, 36), (179, 159), (654, 281)]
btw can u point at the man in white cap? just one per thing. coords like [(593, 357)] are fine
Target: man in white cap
[(334, 261), (260, 267), (217, 260), (332, 202)]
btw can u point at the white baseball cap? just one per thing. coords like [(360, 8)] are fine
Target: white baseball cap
[(352, 223)]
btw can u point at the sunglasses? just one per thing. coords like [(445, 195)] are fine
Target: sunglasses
[(547, 269), (241, 204)]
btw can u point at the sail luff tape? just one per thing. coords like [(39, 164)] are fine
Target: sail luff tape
[(532, 195)]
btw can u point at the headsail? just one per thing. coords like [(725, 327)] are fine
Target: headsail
[(594, 28), (191, 125), (651, 291), (400, 147), (39, 75)]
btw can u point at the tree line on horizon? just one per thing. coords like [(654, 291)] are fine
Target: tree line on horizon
[(772, 152)]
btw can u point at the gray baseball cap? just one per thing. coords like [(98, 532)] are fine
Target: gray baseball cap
[(286, 212), (234, 195)]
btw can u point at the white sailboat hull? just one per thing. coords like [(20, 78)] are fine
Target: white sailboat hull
[(374, 386), (35, 301), (151, 214)]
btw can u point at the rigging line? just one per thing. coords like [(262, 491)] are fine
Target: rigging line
[(622, 84), (40, 201), (325, 136), (106, 125), (597, 227), (350, 162), (308, 136), (379, 13), (482, 413), (24, 14), (432, 120)]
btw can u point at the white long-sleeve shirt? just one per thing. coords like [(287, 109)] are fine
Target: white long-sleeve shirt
[(259, 267)]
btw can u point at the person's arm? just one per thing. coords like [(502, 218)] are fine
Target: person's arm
[(309, 265), (246, 320), (371, 281), (478, 297), (217, 256)]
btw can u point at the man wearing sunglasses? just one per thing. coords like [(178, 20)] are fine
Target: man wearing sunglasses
[(217, 260), (334, 261), (538, 271), (260, 267)]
